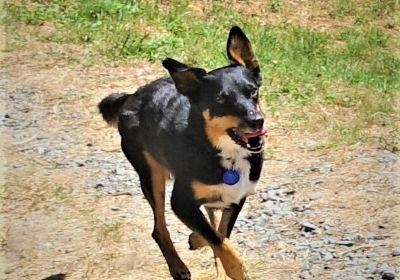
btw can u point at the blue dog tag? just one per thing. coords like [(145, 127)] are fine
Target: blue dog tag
[(230, 177)]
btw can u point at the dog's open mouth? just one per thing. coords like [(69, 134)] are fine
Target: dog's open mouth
[(250, 140)]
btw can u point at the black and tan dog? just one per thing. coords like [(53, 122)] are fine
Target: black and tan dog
[(206, 129)]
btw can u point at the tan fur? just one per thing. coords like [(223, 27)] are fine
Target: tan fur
[(203, 191), (242, 52), (216, 128), (196, 241), (159, 174), (231, 261)]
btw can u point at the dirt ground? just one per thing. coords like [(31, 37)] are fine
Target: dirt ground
[(70, 203)]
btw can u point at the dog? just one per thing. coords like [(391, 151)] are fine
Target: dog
[(206, 129)]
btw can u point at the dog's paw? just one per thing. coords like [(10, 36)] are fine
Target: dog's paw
[(196, 241)]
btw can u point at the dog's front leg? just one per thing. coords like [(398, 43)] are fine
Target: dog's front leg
[(196, 241), (187, 208)]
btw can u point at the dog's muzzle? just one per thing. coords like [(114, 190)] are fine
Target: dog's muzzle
[(252, 141)]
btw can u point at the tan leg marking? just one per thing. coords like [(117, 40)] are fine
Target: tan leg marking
[(223, 229), (159, 175), (216, 127), (158, 178), (203, 191), (231, 261), (223, 225)]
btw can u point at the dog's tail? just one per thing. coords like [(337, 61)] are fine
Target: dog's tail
[(111, 105)]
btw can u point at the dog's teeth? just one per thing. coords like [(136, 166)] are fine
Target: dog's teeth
[(248, 146)]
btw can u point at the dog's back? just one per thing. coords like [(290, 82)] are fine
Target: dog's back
[(156, 114)]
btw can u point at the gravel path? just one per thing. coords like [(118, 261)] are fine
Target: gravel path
[(318, 214)]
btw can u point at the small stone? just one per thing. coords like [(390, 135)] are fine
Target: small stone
[(289, 192), (309, 227), (305, 275), (264, 197), (315, 195), (262, 221), (396, 253), (99, 186), (307, 265), (371, 268), (315, 257), (119, 171), (59, 276), (346, 243), (316, 244), (269, 204), (317, 182), (301, 208), (327, 256), (388, 275), (41, 150), (274, 187)]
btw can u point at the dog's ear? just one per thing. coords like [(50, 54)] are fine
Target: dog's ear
[(240, 51), (186, 78)]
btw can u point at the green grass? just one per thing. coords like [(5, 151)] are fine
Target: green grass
[(356, 66)]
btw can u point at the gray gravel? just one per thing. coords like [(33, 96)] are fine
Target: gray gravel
[(326, 249)]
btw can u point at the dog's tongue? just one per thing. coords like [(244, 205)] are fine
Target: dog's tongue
[(245, 137)]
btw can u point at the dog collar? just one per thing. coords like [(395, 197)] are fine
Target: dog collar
[(230, 177)]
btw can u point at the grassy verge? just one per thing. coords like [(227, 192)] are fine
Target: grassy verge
[(342, 78)]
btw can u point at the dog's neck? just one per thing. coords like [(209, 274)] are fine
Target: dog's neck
[(224, 147), (197, 130)]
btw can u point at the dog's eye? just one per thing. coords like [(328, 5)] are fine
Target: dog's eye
[(221, 98), (254, 93)]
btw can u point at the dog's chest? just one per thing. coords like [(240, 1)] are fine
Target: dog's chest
[(236, 159)]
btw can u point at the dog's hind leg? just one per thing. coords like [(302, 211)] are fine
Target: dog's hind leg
[(152, 178), (229, 217)]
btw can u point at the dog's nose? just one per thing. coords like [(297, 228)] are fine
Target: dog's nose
[(256, 120)]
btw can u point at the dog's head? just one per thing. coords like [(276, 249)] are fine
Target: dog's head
[(227, 96)]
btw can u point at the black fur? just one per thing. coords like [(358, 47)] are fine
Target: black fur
[(110, 106), (166, 120)]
